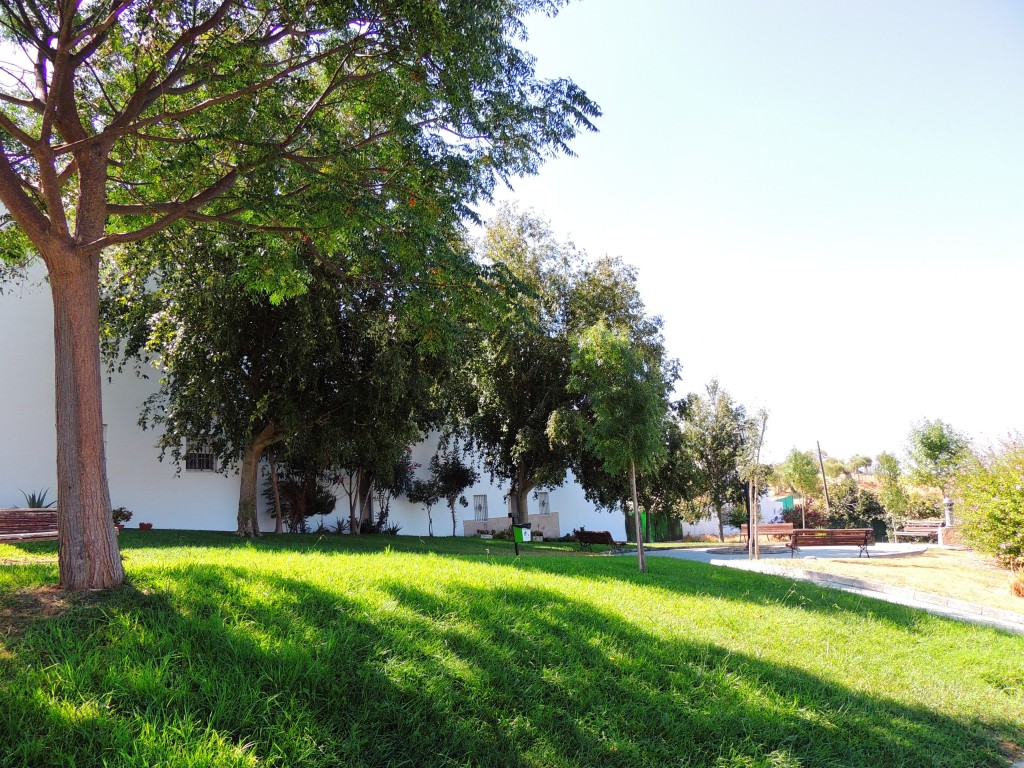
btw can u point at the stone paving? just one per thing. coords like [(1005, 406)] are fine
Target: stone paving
[(936, 604)]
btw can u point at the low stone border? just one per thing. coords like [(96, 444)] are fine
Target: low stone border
[(945, 606)]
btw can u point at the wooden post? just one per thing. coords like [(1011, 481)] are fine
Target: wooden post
[(828, 501)]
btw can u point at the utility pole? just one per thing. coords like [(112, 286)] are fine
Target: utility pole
[(821, 463)]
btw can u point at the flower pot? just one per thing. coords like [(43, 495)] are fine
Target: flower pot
[(145, 526), (486, 536)]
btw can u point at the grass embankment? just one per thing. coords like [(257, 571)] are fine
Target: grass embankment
[(385, 651)]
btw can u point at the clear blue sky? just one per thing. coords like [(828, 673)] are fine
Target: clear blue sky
[(825, 201)]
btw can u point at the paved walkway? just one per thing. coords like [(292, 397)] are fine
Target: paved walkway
[(942, 606), (736, 553)]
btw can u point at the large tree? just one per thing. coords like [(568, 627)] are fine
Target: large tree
[(663, 495), (519, 379), (344, 373), (798, 472), (626, 395), (935, 451), (128, 116), (715, 428)]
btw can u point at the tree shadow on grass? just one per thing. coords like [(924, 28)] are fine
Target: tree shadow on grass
[(232, 664), (672, 576)]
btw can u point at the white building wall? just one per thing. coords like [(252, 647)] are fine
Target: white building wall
[(567, 501), (156, 491), (769, 511), (153, 490), (27, 418)]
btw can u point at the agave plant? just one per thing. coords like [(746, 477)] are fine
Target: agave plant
[(37, 499)]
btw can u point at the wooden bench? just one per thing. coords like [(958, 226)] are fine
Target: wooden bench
[(920, 529), (587, 540), (768, 529), (831, 537), (28, 524)]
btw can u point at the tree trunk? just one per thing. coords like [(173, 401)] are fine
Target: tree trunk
[(88, 554), (352, 491), (278, 517), (519, 497), (641, 557), (721, 525), (451, 504), (248, 522), (365, 497)]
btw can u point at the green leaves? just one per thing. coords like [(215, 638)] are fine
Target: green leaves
[(935, 450), (627, 399), (990, 501)]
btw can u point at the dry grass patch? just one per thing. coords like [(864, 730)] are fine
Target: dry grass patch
[(951, 573), (19, 609)]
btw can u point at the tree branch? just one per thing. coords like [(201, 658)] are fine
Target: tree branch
[(181, 211), (17, 201)]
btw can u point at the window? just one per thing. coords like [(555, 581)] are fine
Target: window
[(199, 457), (479, 507), (542, 503)]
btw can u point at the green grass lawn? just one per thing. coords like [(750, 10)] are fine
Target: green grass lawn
[(385, 651)]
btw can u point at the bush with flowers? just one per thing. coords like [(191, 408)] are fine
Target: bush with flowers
[(989, 499)]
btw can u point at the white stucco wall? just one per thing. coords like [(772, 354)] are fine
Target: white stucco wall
[(156, 491), (27, 419), (568, 501), (138, 480), (769, 511)]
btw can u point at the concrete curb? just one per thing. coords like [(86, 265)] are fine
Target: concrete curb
[(937, 604)]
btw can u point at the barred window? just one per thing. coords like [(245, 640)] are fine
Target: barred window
[(542, 503), (480, 507), (199, 457)]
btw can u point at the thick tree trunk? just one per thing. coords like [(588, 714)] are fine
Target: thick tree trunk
[(248, 522), (641, 556), (89, 557), (519, 498)]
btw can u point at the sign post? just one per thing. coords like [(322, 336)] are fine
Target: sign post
[(521, 534)]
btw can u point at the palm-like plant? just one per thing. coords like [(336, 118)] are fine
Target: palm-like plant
[(37, 499)]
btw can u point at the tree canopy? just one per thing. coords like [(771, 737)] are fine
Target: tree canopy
[(626, 397), (240, 373), (935, 451), (798, 472), (520, 377), (715, 428), (334, 122)]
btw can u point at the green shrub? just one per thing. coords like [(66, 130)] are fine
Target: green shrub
[(853, 507), (990, 501)]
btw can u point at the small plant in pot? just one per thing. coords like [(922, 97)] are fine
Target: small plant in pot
[(145, 526), (121, 516)]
